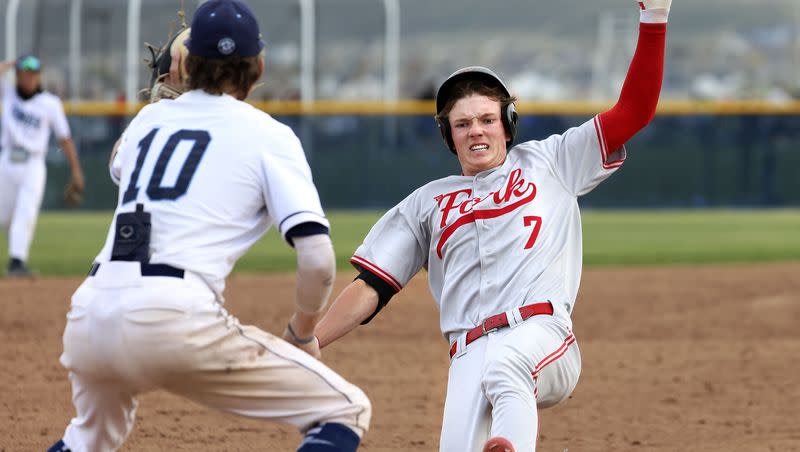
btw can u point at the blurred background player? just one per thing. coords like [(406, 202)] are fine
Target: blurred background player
[(502, 246), (29, 114), (202, 177)]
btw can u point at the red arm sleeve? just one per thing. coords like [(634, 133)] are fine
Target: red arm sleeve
[(637, 102)]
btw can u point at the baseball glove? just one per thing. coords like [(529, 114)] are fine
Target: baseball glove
[(73, 194), (168, 77)]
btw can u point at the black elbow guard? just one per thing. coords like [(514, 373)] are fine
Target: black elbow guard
[(384, 290)]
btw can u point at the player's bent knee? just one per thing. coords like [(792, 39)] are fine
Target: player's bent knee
[(330, 437), (362, 408), (358, 397), (554, 389), (353, 411)]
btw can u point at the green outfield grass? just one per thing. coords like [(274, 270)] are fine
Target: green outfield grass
[(66, 243)]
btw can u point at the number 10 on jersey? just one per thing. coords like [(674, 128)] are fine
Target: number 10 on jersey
[(155, 190)]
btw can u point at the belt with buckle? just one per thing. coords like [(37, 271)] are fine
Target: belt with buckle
[(150, 270), (497, 321), (19, 154)]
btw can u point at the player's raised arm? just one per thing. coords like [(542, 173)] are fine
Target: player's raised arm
[(4, 67), (638, 100)]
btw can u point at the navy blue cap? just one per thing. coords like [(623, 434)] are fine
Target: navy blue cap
[(28, 63), (223, 28)]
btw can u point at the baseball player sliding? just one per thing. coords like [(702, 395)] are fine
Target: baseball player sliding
[(502, 246), (29, 114), (202, 178)]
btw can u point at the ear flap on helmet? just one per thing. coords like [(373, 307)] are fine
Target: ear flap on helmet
[(510, 117), (444, 129)]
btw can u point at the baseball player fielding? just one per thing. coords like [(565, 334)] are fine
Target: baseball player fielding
[(201, 178)]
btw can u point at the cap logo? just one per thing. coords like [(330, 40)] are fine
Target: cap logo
[(223, 29), (226, 46)]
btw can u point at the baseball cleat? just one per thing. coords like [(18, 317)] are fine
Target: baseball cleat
[(18, 269), (498, 444)]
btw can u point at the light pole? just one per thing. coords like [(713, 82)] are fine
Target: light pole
[(11, 30)]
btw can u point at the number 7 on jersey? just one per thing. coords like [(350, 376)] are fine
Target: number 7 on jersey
[(536, 227)]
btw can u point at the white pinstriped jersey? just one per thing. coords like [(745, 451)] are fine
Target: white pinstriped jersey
[(213, 183), (507, 237), (27, 123)]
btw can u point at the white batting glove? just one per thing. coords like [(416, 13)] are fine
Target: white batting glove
[(654, 11)]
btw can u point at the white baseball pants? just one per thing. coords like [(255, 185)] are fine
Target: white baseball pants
[(497, 383), (21, 191), (127, 334)]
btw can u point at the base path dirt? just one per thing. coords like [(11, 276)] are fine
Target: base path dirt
[(674, 359)]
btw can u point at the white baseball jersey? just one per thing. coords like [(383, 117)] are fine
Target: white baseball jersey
[(27, 123), (26, 126), (214, 173), (507, 237), (262, 166)]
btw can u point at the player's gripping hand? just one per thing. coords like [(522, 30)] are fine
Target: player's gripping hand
[(177, 72), (655, 11), (168, 66), (308, 343), (73, 192), (312, 348)]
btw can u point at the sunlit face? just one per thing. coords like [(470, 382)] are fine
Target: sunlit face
[(478, 134), (28, 81)]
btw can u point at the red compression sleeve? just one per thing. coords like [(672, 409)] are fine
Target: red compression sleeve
[(639, 97)]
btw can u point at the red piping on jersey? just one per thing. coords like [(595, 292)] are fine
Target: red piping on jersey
[(483, 214), (377, 271), (639, 97), (607, 164)]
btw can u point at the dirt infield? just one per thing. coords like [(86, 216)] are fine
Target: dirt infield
[(681, 359)]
